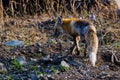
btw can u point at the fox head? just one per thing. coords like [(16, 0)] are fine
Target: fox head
[(58, 26)]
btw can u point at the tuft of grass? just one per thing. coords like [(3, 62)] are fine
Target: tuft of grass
[(3, 71), (39, 73), (8, 78), (16, 65), (34, 67), (27, 43), (63, 68), (53, 69), (7, 48), (85, 14), (116, 46)]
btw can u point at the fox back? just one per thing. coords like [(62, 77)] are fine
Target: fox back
[(74, 26)]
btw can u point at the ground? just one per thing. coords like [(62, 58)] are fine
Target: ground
[(43, 54)]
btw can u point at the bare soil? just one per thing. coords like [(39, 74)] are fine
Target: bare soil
[(40, 43)]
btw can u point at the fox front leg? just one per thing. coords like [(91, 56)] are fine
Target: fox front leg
[(76, 47), (85, 51), (73, 50), (77, 44)]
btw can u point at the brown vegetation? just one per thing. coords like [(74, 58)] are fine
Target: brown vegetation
[(70, 7), (32, 21)]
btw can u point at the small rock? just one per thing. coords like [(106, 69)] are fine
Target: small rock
[(92, 17), (104, 67), (34, 77), (46, 57), (28, 25), (21, 60), (39, 44), (49, 75), (40, 75), (84, 72), (2, 67), (34, 60), (103, 74), (14, 43), (63, 63), (39, 50)]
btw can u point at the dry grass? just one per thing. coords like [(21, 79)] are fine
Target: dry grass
[(52, 7), (22, 18)]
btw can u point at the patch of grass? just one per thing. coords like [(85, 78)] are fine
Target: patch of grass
[(116, 46), (8, 78), (85, 14), (39, 73), (3, 71), (63, 68), (16, 65), (7, 48), (39, 54), (27, 43), (33, 67), (53, 69), (53, 42)]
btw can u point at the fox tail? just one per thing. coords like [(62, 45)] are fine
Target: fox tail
[(92, 46)]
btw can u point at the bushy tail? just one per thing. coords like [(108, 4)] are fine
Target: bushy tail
[(93, 58), (92, 46)]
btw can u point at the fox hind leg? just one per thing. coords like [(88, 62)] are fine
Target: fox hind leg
[(93, 47)]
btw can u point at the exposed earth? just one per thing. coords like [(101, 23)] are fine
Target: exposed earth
[(42, 54)]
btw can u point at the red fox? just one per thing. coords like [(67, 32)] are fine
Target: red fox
[(80, 30)]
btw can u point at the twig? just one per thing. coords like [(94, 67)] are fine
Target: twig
[(114, 57)]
